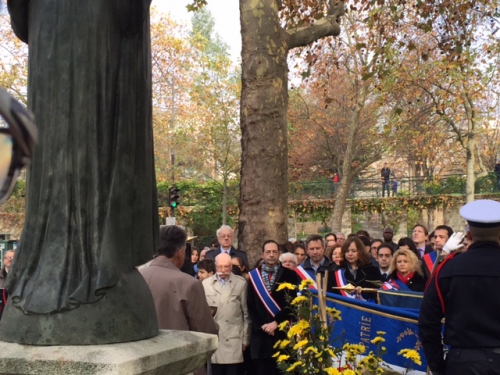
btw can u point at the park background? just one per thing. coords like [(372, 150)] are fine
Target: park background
[(417, 92)]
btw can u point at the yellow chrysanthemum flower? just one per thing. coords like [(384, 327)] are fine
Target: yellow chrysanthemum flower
[(276, 354), (331, 371), (348, 372), (282, 358), (330, 351), (295, 365), (412, 355), (298, 328), (300, 344), (286, 286), (283, 325), (299, 299), (284, 344), (311, 349), (276, 344), (306, 283), (334, 313), (377, 340)]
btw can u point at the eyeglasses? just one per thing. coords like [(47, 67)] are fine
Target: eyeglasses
[(8, 258), (18, 135), (227, 236), (224, 266)]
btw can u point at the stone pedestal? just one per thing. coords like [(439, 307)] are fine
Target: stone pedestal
[(171, 352)]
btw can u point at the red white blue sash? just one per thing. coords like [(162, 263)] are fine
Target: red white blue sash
[(260, 288), (304, 275), (342, 282), (429, 260), (390, 285), (394, 285)]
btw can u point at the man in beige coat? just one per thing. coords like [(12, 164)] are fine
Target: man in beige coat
[(179, 298), (228, 293)]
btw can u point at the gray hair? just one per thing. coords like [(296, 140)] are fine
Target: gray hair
[(223, 227), (288, 255)]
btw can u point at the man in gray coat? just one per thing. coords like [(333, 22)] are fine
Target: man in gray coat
[(179, 298), (228, 293)]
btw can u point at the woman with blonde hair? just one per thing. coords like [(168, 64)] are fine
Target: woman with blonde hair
[(405, 272)]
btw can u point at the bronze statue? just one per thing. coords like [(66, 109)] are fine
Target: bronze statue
[(92, 209)]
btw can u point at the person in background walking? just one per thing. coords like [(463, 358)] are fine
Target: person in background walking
[(385, 174)]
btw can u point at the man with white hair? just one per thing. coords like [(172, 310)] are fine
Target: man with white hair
[(228, 293), (225, 238), (288, 260)]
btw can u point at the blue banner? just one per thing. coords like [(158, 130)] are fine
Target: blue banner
[(361, 320), (405, 299)]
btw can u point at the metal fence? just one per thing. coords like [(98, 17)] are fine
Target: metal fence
[(407, 186)]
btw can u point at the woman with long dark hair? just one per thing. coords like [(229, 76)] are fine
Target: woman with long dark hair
[(356, 269)]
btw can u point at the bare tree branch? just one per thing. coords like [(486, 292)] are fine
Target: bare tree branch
[(327, 26)]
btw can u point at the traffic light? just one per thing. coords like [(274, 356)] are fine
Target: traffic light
[(173, 197)]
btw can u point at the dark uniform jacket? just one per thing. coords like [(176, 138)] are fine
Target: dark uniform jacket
[(469, 285), (261, 344), (233, 253), (364, 276), (416, 283)]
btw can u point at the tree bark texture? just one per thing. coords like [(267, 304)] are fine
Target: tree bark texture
[(264, 101)]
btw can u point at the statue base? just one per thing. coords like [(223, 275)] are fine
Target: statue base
[(125, 313), (171, 352)]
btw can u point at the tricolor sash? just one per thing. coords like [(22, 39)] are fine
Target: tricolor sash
[(394, 285), (304, 275), (390, 285), (342, 282), (429, 259), (260, 288)]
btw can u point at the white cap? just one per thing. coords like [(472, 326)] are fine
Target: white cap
[(483, 213)]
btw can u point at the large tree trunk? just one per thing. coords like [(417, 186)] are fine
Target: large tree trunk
[(471, 178), (347, 169), (340, 202), (224, 200), (264, 101)]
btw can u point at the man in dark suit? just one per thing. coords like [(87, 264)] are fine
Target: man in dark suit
[(225, 238), (268, 307), (420, 235)]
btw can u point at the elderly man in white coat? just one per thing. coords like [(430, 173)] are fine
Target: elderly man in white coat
[(228, 293)]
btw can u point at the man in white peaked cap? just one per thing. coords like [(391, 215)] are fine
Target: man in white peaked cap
[(464, 289)]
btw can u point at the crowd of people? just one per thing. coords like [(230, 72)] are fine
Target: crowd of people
[(216, 290)]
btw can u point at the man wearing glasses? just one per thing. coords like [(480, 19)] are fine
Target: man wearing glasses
[(225, 237), (228, 294)]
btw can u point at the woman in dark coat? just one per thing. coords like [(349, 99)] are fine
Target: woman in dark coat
[(405, 272), (355, 269)]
